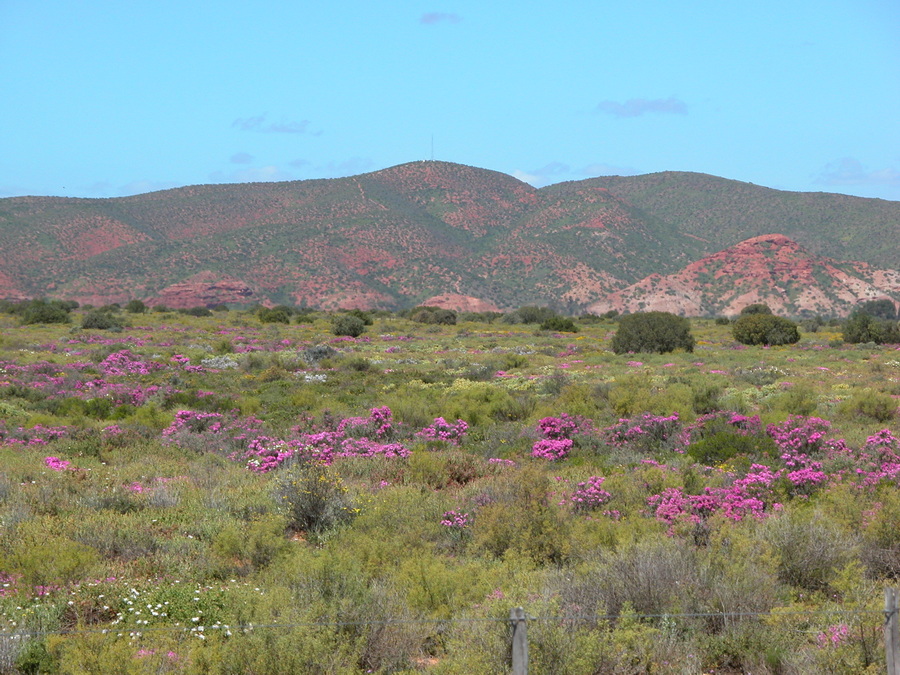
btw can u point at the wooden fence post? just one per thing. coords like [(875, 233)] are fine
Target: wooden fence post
[(892, 630), (519, 641)]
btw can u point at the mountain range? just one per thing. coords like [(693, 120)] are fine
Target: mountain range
[(459, 237)]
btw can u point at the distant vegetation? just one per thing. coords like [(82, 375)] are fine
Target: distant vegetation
[(387, 239), (653, 332)]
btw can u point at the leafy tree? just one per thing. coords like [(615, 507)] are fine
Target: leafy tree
[(529, 314), (756, 308), (658, 332), (863, 327), (99, 320), (274, 315), (765, 329), (360, 314), (347, 325), (561, 324), (43, 311), (880, 309), (434, 315), (135, 307)]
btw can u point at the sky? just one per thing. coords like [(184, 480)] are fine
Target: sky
[(111, 98)]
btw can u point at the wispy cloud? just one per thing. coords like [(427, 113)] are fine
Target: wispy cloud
[(259, 123), (635, 107), (850, 171), (241, 158), (553, 172), (431, 18)]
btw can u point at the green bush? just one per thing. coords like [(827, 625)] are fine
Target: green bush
[(97, 320), (313, 497), (862, 327), (274, 315), (765, 329), (347, 325), (529, 314), (433, 315), (42, 311), (756, 308), (135, 307), (871, 404), (560, 324), (880, 309), (655, 332)]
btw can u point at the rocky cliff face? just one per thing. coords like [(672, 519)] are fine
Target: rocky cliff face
[(770, 268)]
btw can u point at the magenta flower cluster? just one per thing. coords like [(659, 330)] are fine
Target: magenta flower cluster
[(456, 520), (123, 362), (442, 430), (833, 636), (57, 464), (646, 433), (590, 494), (556, 436)]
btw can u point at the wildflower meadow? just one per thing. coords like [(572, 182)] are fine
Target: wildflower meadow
[(214, 494)]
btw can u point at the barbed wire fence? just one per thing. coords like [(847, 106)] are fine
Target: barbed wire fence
[(517, 622)]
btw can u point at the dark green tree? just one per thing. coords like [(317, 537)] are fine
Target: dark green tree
[(756, 308), (765, 329), (655, 332)]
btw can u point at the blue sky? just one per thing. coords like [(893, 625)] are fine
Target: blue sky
[(109, 98)]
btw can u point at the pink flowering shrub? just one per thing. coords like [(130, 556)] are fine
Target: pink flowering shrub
[(590, 494), (31, 436), (833, 635), (647, 433), (123, 362), (57, 464), (557, 436), (442, 430), (551, 449), (456, 520)]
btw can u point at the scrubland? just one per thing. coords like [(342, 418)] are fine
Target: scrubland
[(218, 495)]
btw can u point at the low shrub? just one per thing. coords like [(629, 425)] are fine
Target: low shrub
[(559, 324), (765, 329), (347, 325), (654, 332)]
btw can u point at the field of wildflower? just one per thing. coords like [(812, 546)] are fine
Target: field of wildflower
[(218, 495)]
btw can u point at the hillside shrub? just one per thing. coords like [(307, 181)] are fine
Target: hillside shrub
[(880, 309), (559, 324), (97, 320), (313, 497), (433, 315), (765, 329), (135, 307), (274, 315), (756, 308), (195, 311), (656, 332), (42, 311), (861, 327), (529, 314), (870, 404), (347, 325)]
